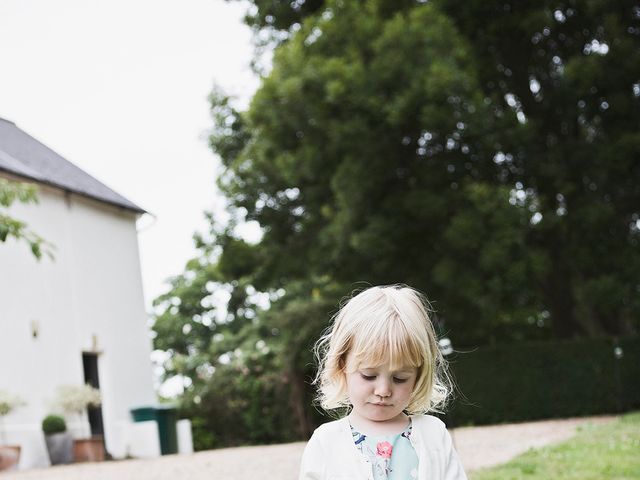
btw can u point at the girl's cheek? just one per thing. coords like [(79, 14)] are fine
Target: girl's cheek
[(408, 388)]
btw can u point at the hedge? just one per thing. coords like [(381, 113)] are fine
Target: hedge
[(529, 381)]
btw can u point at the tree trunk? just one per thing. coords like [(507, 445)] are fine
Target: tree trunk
[(299, 404)]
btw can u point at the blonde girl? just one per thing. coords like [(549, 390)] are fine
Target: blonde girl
[(380, 361)]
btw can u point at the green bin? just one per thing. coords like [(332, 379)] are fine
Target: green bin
[(166, 416), (143, 414)]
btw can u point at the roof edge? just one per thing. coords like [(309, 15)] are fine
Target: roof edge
[(133, 207)]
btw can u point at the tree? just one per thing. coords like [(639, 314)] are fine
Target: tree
[(356, 156), (478, 151), (280, 15), (352, 179), (569, 70), (561, 80)]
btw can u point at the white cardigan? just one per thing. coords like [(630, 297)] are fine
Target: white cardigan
[(331, 453)]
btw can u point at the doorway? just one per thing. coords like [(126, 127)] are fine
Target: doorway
[(91, 377)]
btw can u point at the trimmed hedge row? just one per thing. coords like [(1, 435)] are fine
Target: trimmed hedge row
[(529, 381)]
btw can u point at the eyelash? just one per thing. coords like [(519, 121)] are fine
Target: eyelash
[(369, 378)]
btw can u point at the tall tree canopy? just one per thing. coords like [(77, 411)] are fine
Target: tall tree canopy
[(486, 153), (554, 89), (571, 71), (363, 161)]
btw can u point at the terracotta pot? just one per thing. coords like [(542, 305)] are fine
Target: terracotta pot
[(9, 457), (89, 449)]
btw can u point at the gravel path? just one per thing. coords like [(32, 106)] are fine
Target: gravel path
[(478, 447)]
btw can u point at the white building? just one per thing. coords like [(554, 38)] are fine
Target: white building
[(80, 317)]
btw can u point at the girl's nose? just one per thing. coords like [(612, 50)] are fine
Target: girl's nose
[(383, 389)]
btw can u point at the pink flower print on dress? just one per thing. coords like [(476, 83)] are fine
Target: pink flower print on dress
[(384, 449)]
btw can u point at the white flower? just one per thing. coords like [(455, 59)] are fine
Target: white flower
[(76, 398), (8, 402)]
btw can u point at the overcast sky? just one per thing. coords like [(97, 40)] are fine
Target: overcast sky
[(119, 87)]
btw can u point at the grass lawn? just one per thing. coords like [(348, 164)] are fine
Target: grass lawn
[(603, 452)]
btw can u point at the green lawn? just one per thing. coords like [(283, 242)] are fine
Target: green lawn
[(603, 452)]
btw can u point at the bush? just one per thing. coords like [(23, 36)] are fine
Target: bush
[(535, 380), (53, 424)]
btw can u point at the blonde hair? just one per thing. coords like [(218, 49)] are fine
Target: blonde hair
[(380, 325)]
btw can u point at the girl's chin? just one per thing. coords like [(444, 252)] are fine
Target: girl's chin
[(381, 414)]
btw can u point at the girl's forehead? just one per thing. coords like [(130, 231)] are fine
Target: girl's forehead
[(363, 363)]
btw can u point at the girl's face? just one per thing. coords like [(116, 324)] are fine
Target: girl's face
[(377, 393)]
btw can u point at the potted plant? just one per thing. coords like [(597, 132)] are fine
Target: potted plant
[(59, 441), (73, 400), (9, 454)]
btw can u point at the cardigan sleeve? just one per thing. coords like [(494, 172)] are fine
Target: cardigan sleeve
[(313, 466), (453, 467)]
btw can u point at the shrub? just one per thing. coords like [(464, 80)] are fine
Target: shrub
[(53, 424), (535, 380)]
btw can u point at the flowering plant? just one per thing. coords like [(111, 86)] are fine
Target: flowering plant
[(8, 402), (74, 399)]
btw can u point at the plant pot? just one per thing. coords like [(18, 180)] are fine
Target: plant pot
[(89, 449), (60, 448), (9, 457)]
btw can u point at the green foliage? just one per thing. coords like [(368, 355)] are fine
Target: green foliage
[(279, 14), (53, 424), (11, 192), (568, 74), (225, 411), (245, 368), (357, 178), (555, 110), (596, 452), (483, 152), (526, 381)]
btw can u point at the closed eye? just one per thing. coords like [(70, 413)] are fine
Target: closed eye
[(400, 380), (368, 377)]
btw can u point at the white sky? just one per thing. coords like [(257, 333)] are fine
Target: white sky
[(119, 87)]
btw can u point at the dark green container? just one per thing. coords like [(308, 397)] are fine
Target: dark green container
[(166, 416), (143, 414)]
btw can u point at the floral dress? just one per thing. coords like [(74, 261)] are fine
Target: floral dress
[(392, 457)]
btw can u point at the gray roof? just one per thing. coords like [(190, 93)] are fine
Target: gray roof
[(24, 156)]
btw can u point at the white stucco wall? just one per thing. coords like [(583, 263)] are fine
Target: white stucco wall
[(89, 298)]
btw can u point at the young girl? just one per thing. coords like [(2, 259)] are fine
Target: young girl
[(381, 360)]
